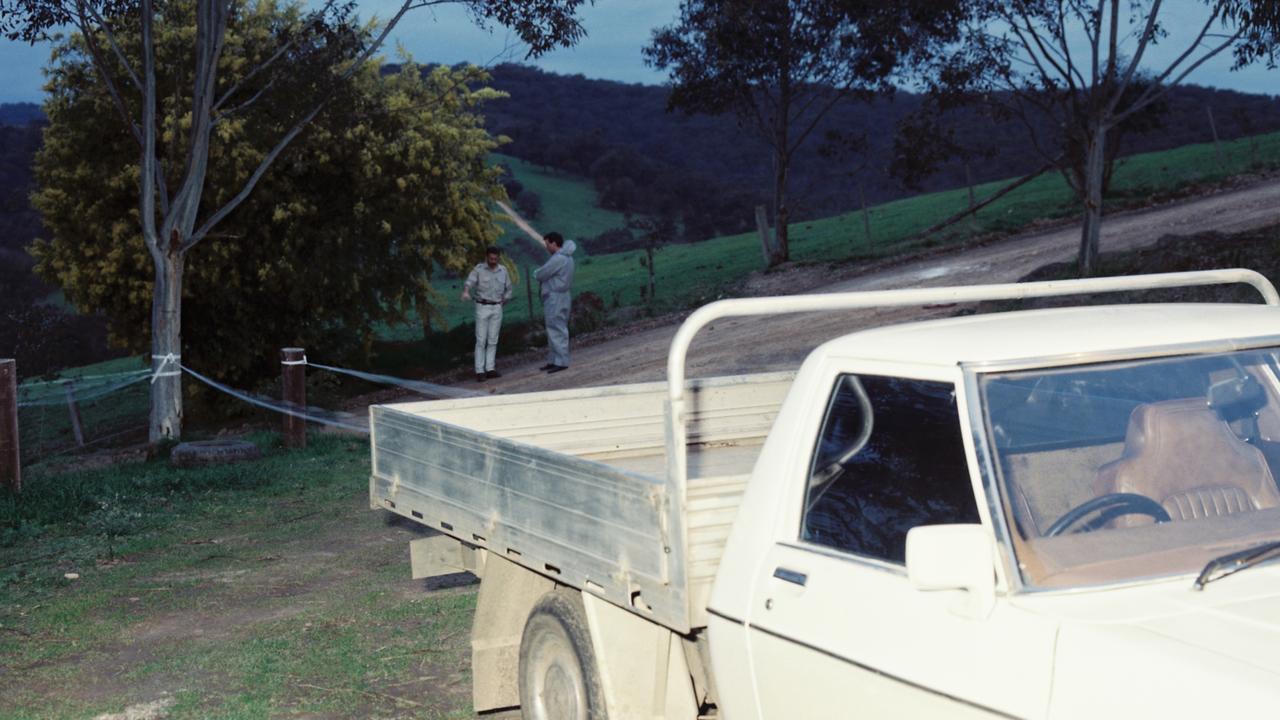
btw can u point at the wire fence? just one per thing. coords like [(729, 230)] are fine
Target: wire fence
[(65, 416), (61, 417)]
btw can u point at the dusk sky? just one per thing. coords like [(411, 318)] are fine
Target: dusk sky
[(616, 31)]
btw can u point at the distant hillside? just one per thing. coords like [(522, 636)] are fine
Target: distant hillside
[(576, 125), (20, 114), (19, 223)]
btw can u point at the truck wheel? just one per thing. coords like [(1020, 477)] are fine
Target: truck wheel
[(558, 675)]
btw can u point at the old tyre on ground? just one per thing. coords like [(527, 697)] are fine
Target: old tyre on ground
[(558, 675), (213, 452)]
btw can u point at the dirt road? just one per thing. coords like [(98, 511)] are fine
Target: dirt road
[(779, 343)]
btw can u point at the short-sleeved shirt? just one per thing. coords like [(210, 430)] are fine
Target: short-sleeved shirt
[(489, 285)]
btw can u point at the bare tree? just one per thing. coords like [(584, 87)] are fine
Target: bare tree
[(1083, 65), (175, 212)]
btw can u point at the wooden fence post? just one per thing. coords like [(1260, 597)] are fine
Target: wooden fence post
[(293, 376), (73, 410), (866, 218), (1217, 146), (762, 227), (10, 459), (973, 212)]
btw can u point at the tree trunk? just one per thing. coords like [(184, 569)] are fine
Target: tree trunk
[(1091, 229), (166, 349), (781, 251)]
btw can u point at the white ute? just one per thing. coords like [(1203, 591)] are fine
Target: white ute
[(1027, 514)]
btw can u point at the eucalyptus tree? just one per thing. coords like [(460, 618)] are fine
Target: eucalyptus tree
[(343, 233), (1078, 71), (781, 65), (174, 211)]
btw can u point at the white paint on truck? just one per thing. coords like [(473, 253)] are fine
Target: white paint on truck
[(998, 515)]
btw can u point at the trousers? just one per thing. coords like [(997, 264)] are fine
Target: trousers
[(555, 311), (488, 325)]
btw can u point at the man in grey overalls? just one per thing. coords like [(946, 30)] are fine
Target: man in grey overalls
[(491, 288), (556, 277)]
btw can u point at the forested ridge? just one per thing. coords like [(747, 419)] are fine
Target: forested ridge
[(703, 170), (19, 223), (596, 128)]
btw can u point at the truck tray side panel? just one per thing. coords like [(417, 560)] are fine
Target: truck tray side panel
[(583, 523)]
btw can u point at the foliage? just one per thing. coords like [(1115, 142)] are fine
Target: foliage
[(344, 231), (44, 338), (781, 65), (305, 69), (529, 203), (1079, 63)]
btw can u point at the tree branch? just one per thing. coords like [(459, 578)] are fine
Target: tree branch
[(203, 231), (115, 46), (104, 72), (148, 140), (262, 66)]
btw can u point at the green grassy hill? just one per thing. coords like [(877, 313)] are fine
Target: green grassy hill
[(688, 274), (568, 202)]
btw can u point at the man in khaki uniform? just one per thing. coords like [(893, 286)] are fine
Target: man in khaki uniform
[(490, 287)]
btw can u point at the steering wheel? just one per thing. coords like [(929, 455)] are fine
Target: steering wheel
[(1111, 505)]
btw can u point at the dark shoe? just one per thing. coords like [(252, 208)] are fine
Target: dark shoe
[(556, 369), (493, 374), (479, 377), (547, 367)]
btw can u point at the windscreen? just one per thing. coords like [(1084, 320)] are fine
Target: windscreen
[(1118, 471)]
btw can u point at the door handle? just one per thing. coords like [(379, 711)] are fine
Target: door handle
[(790, 576)]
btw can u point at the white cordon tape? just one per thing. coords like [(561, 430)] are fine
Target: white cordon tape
[(324, 417), (303, 361), (431, 390), (165, 361)]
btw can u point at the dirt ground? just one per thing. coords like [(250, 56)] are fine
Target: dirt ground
[(357, 541)]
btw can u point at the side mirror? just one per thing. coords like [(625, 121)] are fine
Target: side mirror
[(954, 557)]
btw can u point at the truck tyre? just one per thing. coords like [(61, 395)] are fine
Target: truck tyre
[(558, 675)]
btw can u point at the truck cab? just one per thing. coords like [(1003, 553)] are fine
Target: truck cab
[(1015, 514)]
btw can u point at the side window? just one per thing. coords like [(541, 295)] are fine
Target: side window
[(890, 457)]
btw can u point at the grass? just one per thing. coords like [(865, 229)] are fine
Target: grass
[(688, 275), (269, 589), (254, 590), (568, 202)]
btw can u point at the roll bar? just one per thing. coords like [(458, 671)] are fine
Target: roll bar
[(676, 426)]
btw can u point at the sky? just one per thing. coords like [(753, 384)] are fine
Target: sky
[(616, 32)]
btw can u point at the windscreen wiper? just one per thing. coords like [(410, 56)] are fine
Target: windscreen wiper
[(1232, 563)]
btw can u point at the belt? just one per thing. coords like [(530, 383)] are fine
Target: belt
[(487, 302)]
